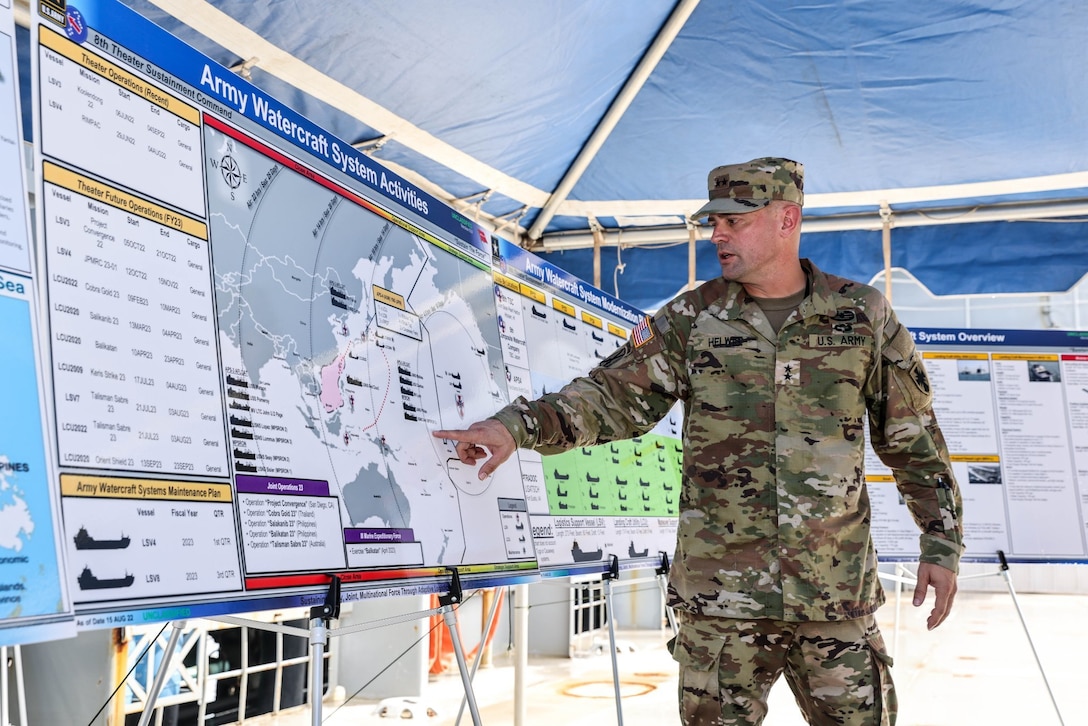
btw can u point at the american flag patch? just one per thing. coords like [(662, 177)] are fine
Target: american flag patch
[(643, 333)]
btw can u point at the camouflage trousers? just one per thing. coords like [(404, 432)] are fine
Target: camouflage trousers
[(839, 672)]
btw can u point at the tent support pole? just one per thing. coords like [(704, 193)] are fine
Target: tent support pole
[(598, 240), (615, 112), (886, 226), (691, 257)]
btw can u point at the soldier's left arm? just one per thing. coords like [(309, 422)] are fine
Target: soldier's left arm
[(905, 435)]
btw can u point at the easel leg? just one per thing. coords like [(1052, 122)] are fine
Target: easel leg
[(521, 650), (901, 571), (462, 666), (479, 653), (613, 574), (20, 689), (4, 719), (663, 582), (164, 668), (1024, 624), (319, 638)]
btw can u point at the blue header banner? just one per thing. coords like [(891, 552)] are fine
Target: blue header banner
[(996, 338), (515, 260)]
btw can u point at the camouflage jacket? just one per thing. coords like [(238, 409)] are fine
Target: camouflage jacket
[(774, 512)]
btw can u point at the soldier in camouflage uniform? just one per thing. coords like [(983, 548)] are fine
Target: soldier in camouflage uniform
[(778, 365)]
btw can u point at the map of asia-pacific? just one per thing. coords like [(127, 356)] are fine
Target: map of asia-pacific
[(347, 334)]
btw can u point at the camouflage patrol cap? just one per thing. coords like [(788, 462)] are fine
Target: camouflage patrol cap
[(740, 188)]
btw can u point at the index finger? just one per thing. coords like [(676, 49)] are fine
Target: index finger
[(454, 434)]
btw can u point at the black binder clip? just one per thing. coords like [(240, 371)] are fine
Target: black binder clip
[(454, 596), (330, 610)]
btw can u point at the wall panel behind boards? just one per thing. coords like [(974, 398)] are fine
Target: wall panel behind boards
[(34, 601)]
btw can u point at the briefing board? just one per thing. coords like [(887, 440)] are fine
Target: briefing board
[(34, 602), (589, 503), (235, 332), (253, 328), (1013, 408)]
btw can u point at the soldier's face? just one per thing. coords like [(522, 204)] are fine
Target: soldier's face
[(747, 243)]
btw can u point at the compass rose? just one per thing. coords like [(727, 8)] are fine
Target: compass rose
[(232, 173)]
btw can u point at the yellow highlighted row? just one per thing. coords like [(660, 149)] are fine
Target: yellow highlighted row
[(114, 197), (389, 297), (929, 355), (115, 487), (538, 296)]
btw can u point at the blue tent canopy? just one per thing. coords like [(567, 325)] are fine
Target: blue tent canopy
[(554, 120)]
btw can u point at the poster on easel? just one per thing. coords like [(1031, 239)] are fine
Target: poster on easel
[(591, 503), (253, 329), (1013, 408), (34, 600)]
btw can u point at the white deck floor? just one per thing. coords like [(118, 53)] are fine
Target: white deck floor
[(978, 668)]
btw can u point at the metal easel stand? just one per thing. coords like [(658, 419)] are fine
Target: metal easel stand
[(176, 627), (662, 577), (319, 634), (610, 578), (479, 656), (20, 690), (1003, 572)]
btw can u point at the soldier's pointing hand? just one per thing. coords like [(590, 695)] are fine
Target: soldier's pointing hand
[(487, 439)]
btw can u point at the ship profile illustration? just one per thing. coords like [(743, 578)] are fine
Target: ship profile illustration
[(632, 552), (582, 556), (88, 581), (243, 454), (242, 466), (569, 326), (237, 381), (239, 406), (84, 541)]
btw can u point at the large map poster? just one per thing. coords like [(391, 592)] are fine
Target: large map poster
[(253, 329), (1013, 407), (589, 503), (34, 603)]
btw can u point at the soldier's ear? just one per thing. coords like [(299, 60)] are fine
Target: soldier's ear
[(791, 218)]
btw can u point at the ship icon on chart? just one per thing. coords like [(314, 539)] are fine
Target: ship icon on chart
[(84, 541), (585, 556), (88, 581)]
